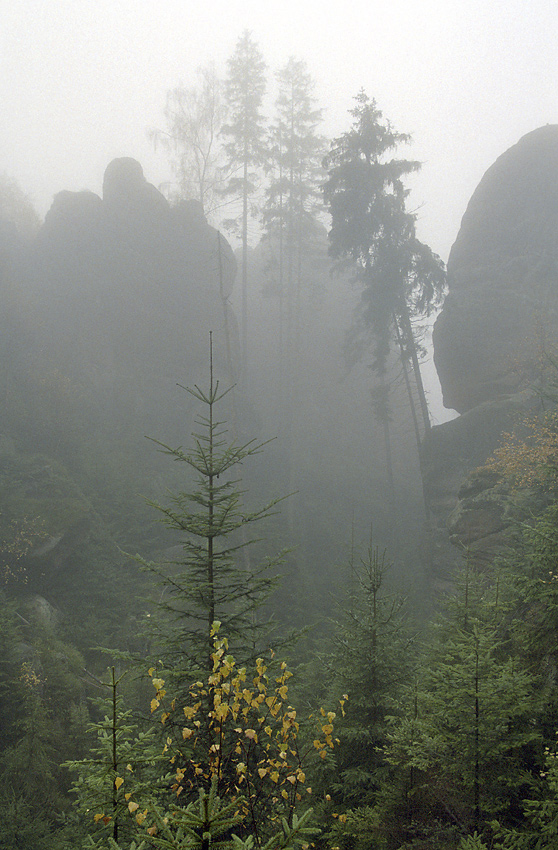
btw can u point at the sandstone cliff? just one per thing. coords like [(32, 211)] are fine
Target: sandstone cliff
[(502, 303)]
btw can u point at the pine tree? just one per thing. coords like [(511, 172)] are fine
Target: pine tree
[(214, 578), (293, 196), (373, 233), (463, 746), (121, 764), (371, 663), (292, 240), (245, 149), (400, 277)]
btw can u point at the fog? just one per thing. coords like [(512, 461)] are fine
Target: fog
[(81, 82), (222, 437)]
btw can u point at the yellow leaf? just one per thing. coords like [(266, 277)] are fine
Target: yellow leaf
[(262, 772), (152, 830), (140, 817), (284, 794), (127, 796), (291, 778), (221, 711), (97, 818), (118, 782), (158, 683), (129, 767), (187, 733), (154, 705), (133, 807), (252, 734)]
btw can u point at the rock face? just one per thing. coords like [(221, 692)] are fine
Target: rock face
[(502, 304), (502, 275), (104, 310), (117, 296)]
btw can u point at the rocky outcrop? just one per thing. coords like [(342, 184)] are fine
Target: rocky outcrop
[(502, 275), (112, 307), (502, 303)]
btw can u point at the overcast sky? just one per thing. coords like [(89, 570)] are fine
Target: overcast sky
[(81, 81)]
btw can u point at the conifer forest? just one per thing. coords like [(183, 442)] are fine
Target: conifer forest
[(253, 596)]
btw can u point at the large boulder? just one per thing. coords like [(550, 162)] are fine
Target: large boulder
[(502, 275)]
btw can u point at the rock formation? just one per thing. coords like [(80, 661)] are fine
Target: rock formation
[(503, 295), (502, 274), (120, 294), (104, 311)]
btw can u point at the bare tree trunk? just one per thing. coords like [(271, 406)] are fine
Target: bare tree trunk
[(410, 340)]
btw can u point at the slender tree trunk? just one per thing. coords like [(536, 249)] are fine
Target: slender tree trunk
[(113, 686), (412, 405), (384, 419), (410, 340), (477, 738), (244, 308), (210, 512)]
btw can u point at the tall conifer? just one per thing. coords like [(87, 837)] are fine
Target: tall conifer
[(245, 147)]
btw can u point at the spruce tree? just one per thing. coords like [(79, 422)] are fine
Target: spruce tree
[(371, 664), (244, 147), (373, 233), (400, 277), (122, 762), (462, 748), (292, 240), (214, 577)]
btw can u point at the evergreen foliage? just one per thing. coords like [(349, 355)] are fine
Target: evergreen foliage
[(399, 276), (370, 662), (293, 194), (463, 747), (214, 578), (116, 767), (242, 741), (245, 147)]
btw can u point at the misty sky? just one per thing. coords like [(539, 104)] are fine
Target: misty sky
[(82, 81)]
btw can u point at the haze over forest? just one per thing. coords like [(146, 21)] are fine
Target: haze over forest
[(258, 591), (81, 82)]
